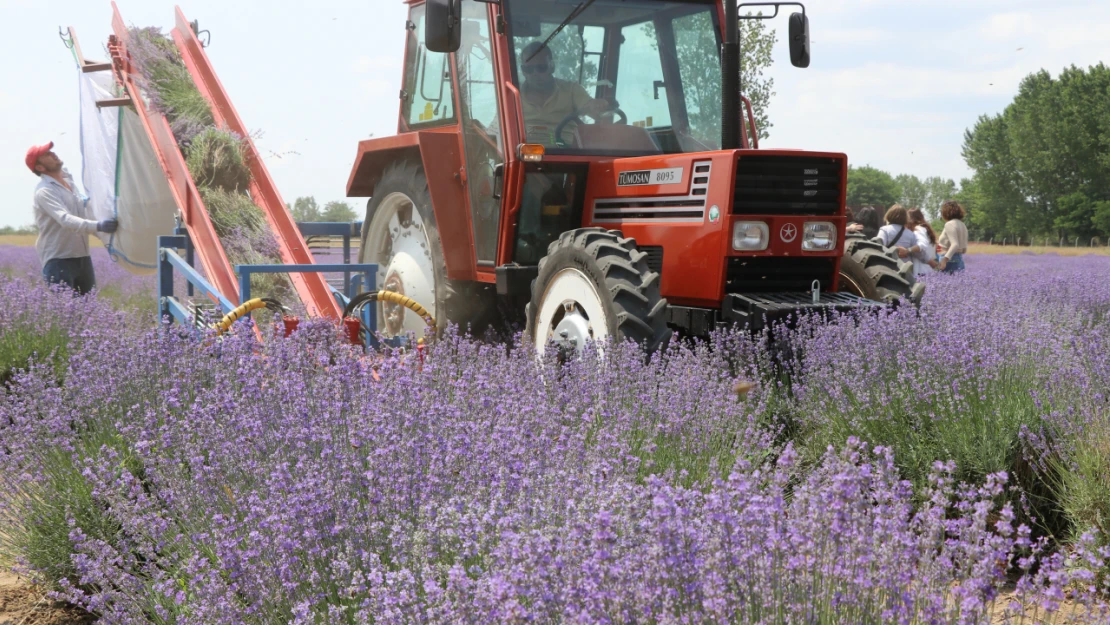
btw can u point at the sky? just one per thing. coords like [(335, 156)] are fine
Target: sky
[(893, 84)]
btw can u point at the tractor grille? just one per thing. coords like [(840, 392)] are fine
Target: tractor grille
[(762, 274), (654, 258), (787, 185)]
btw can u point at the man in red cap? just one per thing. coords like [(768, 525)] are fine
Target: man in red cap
[(62, 219)]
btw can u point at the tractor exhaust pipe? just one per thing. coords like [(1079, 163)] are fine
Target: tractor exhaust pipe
[(730, 79)]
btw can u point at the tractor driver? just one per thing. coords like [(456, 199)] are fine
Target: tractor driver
[(547, 100)]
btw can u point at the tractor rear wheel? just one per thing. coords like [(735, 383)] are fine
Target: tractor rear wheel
[(869, 270), (400, 236), (594, 284)]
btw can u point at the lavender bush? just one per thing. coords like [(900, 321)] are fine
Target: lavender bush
[(296, 481), (1008, 355), (40, 324)]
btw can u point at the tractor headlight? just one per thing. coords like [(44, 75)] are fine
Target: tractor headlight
[(820, 236), (750, 236)]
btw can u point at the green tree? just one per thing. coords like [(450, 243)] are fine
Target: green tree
[(937, 191), (756, 45), (1001, 207), (20, 230), (305, 209), (968, 197), (868, 186), (913, 191), (1101, 219), (1040, 166), (338, 211)]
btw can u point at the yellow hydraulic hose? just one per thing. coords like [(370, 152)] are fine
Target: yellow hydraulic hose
[(407, 302), (225, 324)]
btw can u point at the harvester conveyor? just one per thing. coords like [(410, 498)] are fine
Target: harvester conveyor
[(318, 297)]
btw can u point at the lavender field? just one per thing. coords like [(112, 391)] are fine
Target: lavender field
[(947, 465)]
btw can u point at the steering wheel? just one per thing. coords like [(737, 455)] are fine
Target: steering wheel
[(622, 118)]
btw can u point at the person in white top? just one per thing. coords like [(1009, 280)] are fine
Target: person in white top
[(925, 259), (61, 217), (896, 232)]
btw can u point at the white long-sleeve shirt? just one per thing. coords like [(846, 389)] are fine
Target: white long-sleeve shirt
[(927, 251), (62, 219)]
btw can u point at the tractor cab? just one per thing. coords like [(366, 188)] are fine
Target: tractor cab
[(609, 80), (593, 164)]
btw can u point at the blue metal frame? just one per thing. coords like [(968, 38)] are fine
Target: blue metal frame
[(347, 230), (368, 272), (168, 261), (357, 277)]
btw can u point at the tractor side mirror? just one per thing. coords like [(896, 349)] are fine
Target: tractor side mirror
[(443, 26), (799, 40)]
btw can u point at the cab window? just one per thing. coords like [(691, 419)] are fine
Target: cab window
[(429, 98)]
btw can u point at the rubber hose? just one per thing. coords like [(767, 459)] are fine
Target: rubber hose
[(259, 302), (394, 298)]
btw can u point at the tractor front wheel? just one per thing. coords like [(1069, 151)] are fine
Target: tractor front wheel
[(594, 285), (869, 270)]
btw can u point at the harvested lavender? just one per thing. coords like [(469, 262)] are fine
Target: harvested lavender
[(215, 158)]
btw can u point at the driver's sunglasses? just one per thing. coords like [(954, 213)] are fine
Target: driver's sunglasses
[(537, 68)]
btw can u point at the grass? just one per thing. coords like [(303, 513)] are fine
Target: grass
[(981, 435), (44, 345), (1083, 486)]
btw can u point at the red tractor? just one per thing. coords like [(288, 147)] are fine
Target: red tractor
[(593, 165)]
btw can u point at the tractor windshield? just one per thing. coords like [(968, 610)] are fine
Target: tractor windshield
[(618, 77)]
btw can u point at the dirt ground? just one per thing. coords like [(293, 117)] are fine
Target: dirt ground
[(23, 604)]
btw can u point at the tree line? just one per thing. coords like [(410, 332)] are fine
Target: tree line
[(306, 209), (869, 186), (1042, 166), (19, 230)]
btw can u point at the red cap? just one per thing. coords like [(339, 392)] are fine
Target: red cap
[(35, 152)]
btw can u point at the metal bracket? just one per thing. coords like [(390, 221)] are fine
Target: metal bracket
[(113, 102), (69, 38), (768, 4), (195, 26)]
